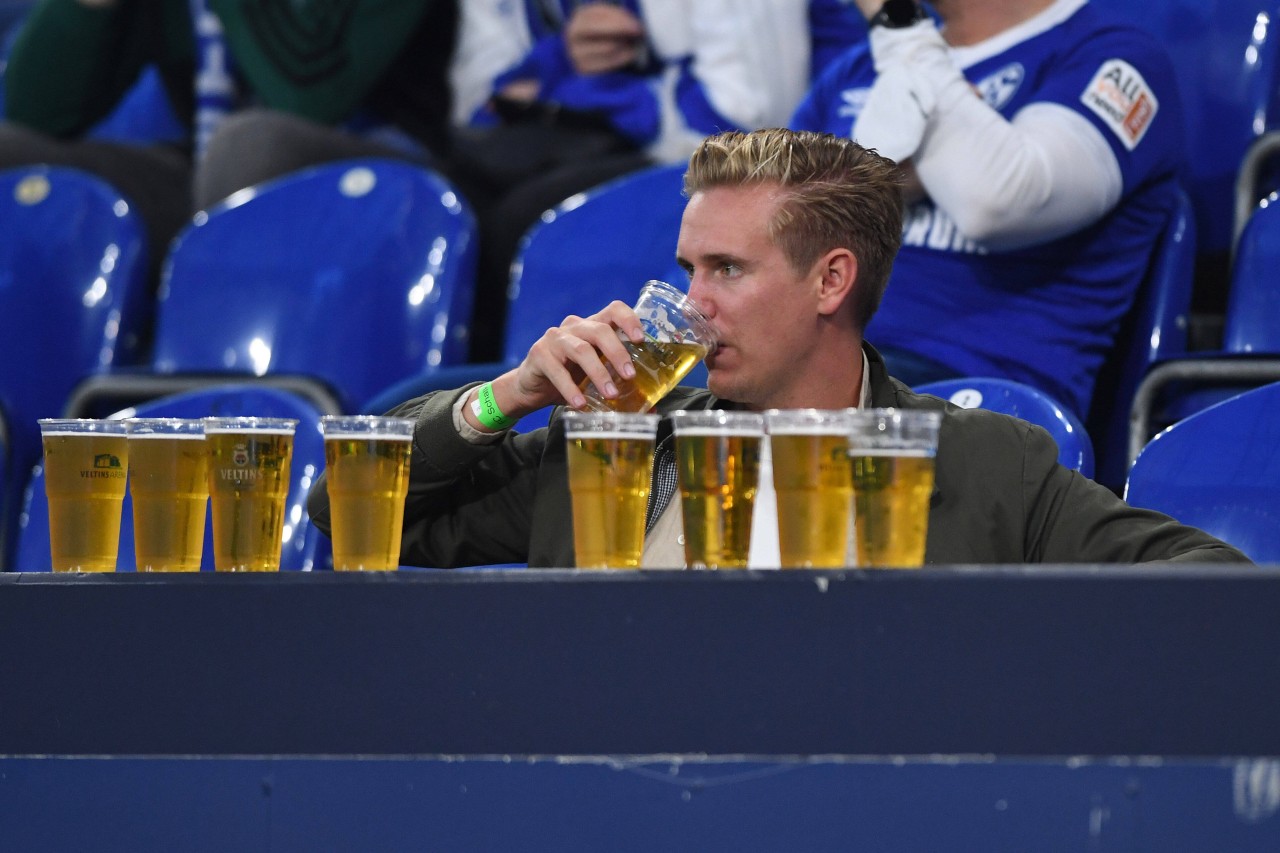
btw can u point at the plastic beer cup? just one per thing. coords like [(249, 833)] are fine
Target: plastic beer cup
[(811, 479), (169, 486), (367, 464), (677, 336), (248, 482), (893, 454), (610, 461), (718, 469), (86, 464)]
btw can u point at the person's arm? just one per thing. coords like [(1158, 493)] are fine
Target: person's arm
[(71, 63), (493, 36), (472, 485), (729, 64), (1007, 184)]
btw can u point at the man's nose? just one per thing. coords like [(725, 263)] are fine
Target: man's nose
[(699, 296)]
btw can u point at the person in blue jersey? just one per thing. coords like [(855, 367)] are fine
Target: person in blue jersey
[(557, 96), (1042, 143)]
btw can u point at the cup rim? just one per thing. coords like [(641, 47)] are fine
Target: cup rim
[(164, 426), (914, 431), (380, 425), (687, 306), (249, 424), (727, 421), (611, 421), (71, 426), (808, 421)]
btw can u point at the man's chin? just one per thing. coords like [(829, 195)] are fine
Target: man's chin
[(720, 383)]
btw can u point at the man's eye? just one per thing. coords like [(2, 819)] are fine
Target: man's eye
[(730, 270)]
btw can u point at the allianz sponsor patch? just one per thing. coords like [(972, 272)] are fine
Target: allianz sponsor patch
[(1119, 96)]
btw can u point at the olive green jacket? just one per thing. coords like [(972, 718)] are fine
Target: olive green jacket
[(1000, 495)]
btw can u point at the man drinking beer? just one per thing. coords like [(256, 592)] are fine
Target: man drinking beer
[(788, 239)]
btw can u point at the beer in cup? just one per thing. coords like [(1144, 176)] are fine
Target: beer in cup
[(169, 483), (893, 452), (248, 482), (86, 464), (811, 478), (610, 460), (366, 461), (718, 467), (677, 336)]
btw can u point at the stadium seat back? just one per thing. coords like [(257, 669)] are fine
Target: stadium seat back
[(1226, 54), (1155, 329), (333, 281), (1219, 470), (74, 298), (1075, 450)]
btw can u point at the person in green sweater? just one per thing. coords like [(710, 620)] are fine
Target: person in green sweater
[(259, 89)]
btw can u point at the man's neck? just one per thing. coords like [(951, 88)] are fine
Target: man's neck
[(967, 22)]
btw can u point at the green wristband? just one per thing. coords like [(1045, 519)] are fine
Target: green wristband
[(486, 410)]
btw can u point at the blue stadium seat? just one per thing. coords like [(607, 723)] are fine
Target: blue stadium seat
[(1250, 355), (144, 115), (1075, 450), (1219, 470), (1154, 330), (597, 246), (304, 546), (74, 301), (1226, 54), (333, 282)]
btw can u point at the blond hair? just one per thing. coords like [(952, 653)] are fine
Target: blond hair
[(837, 194)]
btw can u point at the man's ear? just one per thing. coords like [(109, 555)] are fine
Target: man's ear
[(837, 271)]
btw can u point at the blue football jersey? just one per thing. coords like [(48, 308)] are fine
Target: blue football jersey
[(1046, 315)]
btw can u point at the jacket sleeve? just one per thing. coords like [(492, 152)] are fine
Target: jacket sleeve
[(468, 504), (1072, 519)]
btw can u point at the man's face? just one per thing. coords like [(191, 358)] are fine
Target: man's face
[(763, 311)]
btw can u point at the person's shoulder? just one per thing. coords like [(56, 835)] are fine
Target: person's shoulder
[(1100, 28)]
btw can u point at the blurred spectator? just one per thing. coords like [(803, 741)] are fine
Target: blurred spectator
[(263, 87), (561, 95), (1042, 141)]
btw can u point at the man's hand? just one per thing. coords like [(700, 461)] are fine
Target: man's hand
[(557, 362), (602, 37), (524, 91)]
